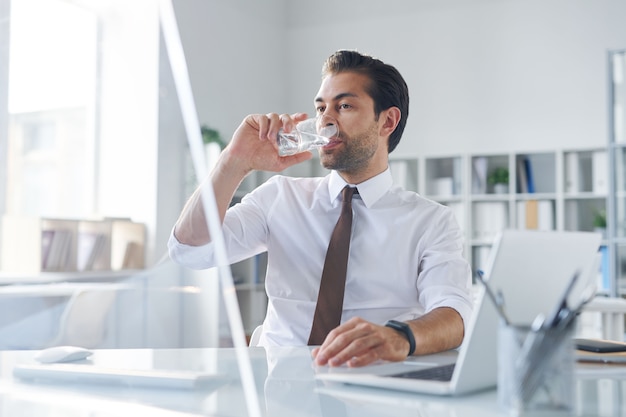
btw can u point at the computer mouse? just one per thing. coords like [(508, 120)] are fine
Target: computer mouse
[(60, 354)]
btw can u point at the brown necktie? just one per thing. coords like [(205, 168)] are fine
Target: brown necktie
[(330, 297)]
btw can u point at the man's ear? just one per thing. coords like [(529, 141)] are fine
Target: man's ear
[(390, 119)]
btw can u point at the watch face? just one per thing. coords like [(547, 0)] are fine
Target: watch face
[(398, 325)]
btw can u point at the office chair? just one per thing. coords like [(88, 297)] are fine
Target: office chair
[(83, 322)]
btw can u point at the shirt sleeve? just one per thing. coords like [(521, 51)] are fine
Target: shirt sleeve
[(194, 257), (445, 278), (244, 230)]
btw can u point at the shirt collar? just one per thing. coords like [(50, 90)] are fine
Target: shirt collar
[(370, 191)]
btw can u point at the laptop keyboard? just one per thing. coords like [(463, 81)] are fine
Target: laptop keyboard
[(437, 373)]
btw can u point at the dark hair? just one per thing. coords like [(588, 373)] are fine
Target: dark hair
[(387, 87)]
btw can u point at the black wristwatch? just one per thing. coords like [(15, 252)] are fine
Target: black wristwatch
[(405, 330)]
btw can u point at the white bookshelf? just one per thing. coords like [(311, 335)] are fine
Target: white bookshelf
[(32, 245), (539, 194)]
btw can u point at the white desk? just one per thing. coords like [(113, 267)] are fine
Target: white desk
[(284, 379), (10, 278)]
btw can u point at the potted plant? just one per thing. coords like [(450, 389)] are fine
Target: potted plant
[(599, 222), (213, 144), (499, 180), (210, 135)]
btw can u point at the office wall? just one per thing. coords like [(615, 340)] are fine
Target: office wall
[(236, 53), (484, 75)]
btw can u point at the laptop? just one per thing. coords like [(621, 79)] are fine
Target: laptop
[(533, 270)]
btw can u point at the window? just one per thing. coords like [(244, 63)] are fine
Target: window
[(53, 50), (79, 137)]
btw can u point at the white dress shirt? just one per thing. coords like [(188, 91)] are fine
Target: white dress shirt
[(405, 253)]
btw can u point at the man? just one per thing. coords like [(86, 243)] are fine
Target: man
[(405, 261)]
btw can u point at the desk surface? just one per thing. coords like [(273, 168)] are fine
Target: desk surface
[(284, 381)]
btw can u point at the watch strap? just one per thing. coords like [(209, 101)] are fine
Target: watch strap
[(405, 329)]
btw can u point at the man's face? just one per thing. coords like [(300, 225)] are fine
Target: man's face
[(342, 100)]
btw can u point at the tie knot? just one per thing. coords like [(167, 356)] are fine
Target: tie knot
[(348, 192)]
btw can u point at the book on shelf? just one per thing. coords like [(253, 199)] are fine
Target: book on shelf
[(56, 248), (133, 256), (535, 215), (46, 244), (90, 251), (531, 216)]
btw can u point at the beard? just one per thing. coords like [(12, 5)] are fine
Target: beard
[(355, 152)]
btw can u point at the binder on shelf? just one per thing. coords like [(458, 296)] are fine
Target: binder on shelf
[(532, 215), (545, 215), (572, 173), (571, 216), (443, 186), (522, 180), (489, 218), (520, 213), (530, 182), (600, 172), (479, 179), (457, 175)]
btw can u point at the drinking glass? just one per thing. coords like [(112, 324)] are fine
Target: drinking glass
[(304, 137)]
